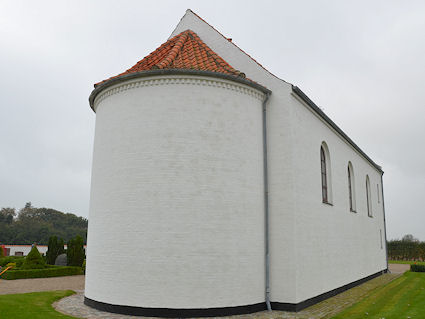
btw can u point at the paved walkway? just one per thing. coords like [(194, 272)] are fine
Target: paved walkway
[(74, 306), (398, 268)]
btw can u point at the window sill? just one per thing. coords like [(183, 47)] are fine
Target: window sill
[(353, 211), (327, 203)]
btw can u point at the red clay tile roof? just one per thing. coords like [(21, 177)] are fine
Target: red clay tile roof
[(184, 51)]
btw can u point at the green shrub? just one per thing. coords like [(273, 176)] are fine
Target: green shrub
[(55, 248), (55, 271), (34, 260), (13, 265), (83, 267), (75, 251), (12, 259), (19, 261), (4, 261), (417, 268), (1, 252)]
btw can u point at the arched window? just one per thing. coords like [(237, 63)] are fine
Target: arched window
[(368, 197), (351, 188), (325, 170), (324, 176)]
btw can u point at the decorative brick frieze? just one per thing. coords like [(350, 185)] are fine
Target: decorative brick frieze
[(178, 80)]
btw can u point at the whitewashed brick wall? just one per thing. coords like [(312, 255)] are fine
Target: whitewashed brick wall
[(314, 247), (176, 214)]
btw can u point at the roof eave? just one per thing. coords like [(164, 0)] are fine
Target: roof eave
[(160, 72), (331, 123)]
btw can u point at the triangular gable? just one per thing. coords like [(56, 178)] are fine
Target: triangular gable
[(225, 48)]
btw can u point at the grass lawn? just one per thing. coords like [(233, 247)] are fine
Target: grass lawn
[(401, 298), (35, 305), (406, 262)]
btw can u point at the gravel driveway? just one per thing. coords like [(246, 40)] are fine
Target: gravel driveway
[(18, 286)]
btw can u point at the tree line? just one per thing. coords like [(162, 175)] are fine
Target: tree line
[(36, 225), (408, 248)]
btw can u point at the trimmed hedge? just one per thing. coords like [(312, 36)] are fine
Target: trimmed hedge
[(42, 273), (12, 259), (417, 268)]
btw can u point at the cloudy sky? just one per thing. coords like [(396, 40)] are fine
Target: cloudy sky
[(363, 62)]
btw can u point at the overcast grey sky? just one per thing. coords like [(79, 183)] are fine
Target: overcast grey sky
[(363, 62)]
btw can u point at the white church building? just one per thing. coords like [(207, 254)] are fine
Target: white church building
[(231, 191)]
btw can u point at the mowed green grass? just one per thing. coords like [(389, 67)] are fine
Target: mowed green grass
[(35, 305), (401, 298), (407, 262)]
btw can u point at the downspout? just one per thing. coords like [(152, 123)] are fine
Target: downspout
[(266, 203), (385, 223)]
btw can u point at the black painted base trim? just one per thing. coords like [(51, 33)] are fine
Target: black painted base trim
[(225, 311), (175, 313), (309, 302)]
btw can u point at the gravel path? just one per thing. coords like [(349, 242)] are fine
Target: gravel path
[(19, 286)]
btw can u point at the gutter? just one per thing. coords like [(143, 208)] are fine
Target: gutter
[(266, 203), (319, 112), (160, 72), (385, 223)]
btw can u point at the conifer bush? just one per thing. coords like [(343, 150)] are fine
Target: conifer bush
[(34, 260), (55, 248), (75, 251)]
